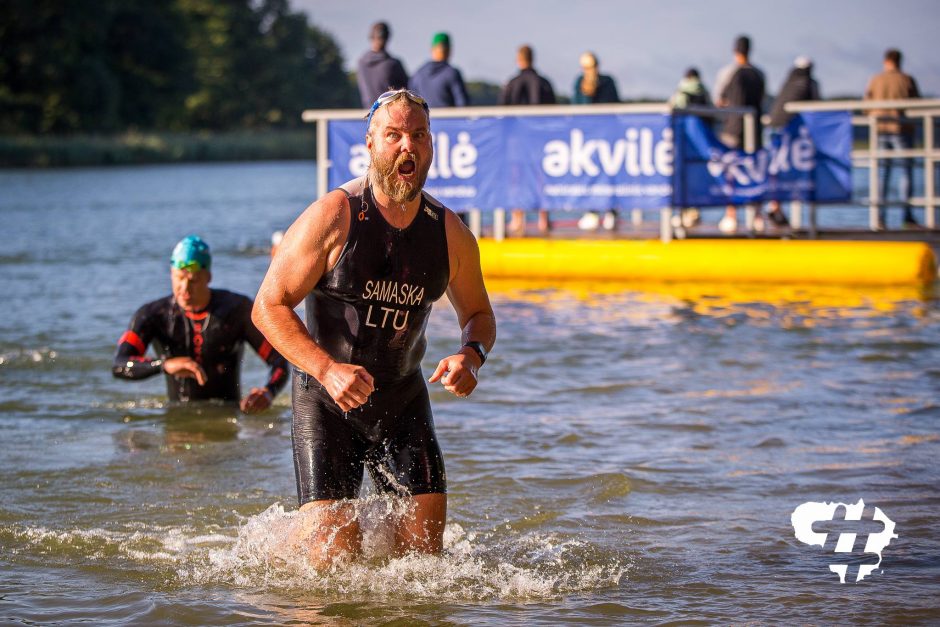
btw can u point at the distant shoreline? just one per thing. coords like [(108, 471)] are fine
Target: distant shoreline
[(26, 151)]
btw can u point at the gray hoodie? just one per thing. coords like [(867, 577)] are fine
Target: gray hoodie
[(379, 72)]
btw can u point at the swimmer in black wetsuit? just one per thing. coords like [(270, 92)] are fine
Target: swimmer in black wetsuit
[(199, 334), (370, 259)]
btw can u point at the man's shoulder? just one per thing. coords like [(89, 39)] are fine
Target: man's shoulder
[(424, 69), (747, 77), (516, 79), (727, 70), (435, 204), (157, 306), (226, 302), (748, 70), (224, 296), (451, 72)]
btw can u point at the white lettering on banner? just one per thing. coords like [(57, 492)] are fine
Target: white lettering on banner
[(797, 153), (457, 162), (605, 190), (456, 191), (637, 154)]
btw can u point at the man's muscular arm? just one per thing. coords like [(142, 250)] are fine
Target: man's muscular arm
[(310, 247), (467, 293)]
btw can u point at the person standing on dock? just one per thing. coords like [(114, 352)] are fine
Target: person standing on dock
[(439, 82), (379, 71), (199, 334), (527, 87), (799, 86), (592, 87), (893, 134), (690, 92), (740, 84), (370, 259)]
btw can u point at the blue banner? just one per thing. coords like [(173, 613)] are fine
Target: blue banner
[(810, 159), (614, 161)]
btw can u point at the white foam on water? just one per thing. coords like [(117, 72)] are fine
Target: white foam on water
[(141, 543), (264, 551), (28, 356), (474, 566)]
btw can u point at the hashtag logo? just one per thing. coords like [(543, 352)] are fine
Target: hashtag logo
[(856, 536)]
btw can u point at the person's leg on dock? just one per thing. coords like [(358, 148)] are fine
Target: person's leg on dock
[(905, 185)]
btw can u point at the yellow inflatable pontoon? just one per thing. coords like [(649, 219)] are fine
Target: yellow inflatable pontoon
[(716, 261)]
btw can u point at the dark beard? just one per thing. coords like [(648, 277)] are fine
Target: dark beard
[(383, 172)]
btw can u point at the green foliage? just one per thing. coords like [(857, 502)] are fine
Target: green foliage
[(483, 94), (135, 148), (122, 65)]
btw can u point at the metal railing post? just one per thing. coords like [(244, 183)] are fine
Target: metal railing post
[(750, 132), (930, 209), (476, 223), (323, 161), (796, 214), (665, 224), (499, 224), (750, 145), (874, 191)]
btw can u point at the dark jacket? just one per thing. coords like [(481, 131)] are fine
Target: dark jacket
[(440, 84), (798, 86), (606, 91), (527, 88), (379, 72), (745, 89)]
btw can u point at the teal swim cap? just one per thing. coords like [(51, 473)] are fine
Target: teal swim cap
[(191, 254)]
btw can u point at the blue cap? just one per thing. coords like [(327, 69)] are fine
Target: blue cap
[(191, 254)]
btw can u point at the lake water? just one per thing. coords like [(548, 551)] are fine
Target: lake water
[(633, 454)]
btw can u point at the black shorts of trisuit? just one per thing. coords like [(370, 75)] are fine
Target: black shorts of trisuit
[(392, 436)]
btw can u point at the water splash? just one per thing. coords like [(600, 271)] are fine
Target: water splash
[(474, 566), (498, 563)]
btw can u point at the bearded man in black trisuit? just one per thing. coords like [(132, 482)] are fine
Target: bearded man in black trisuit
[(370, 258)]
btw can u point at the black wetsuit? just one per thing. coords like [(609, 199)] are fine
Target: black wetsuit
[(213, 337), (372, 309)]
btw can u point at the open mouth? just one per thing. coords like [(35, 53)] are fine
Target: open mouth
[(407, 168)]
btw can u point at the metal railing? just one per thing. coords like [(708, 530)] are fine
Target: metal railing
[(322, 118), (920, 112)]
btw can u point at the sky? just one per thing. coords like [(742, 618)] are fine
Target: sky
[(647, 46)]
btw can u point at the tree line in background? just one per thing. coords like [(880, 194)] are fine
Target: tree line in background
[(110, 66)]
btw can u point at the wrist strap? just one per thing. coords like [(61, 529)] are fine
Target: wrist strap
[(479, 349)]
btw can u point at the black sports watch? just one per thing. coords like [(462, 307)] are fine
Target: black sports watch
[(479, 349)]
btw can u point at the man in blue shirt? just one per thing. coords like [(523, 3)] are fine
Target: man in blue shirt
[(438, 81)]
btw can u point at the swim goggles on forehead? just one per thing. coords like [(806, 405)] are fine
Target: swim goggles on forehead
[(393, 95)]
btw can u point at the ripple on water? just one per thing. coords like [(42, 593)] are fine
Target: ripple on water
[(598, 488)]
